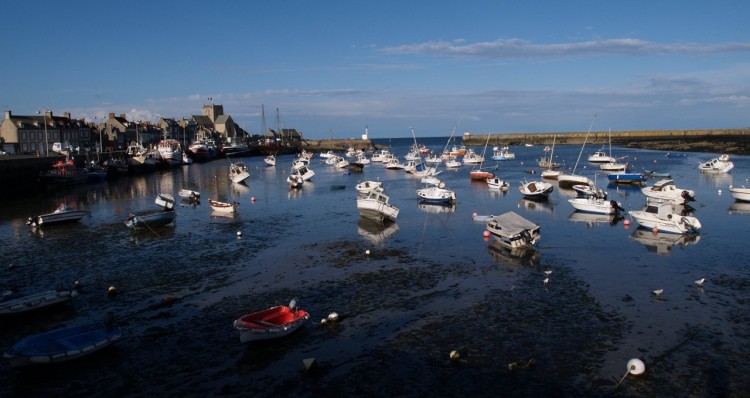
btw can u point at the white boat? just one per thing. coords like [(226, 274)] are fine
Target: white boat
[(437, 194), (238, 172), (12, 303), (433, 159), (430, 179), (594, 204), (565, 180), (299, 163), (664, 218), (583, 190), (295, 180), (600, 157), (63, 214), (452, 163), (170, 151), (223, 207), (306, 173), (362, 159), (536, 189), (550, 174), (376, 206), (379, 156), (270, 160), (366, 186), (512, 230), (741, 194), (341, 162), (165, 200), (186, 159), (722, 164), (496, 183), (188, 193), (503, 153), (472, 157), (666, 191), (394, 164), (613, 167)]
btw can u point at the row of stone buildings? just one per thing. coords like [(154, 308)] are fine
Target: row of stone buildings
[(38, 134)]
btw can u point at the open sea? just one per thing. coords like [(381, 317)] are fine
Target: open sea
[(431, 284)]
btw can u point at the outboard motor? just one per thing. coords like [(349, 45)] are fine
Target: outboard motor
[(616, 206), (686, 195)]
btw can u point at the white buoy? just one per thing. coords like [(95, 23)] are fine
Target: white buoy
[(333, 317), (367, 252), (323, 321), (636, 367), (720, 192), (239, 233), (454, 355)]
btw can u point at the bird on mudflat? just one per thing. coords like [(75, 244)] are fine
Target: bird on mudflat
[(548, 272), (700, 281), (658, 292), (546, 281)]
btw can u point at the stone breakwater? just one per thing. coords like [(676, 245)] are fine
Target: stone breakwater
[(733, 141)]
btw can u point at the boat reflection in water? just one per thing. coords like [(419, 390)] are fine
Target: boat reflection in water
[(662, 243), (739, 208), (536, 205), (375, 232), (524, 256), (592, 219), (436, 207)]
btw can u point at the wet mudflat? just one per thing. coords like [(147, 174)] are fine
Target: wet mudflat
[(429, 286)]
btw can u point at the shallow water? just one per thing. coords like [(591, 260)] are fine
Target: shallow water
[(431, 284)]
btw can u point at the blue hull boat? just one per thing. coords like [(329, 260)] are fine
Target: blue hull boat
[(62, 345), (626, 178)]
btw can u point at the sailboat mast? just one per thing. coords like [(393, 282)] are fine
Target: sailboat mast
[(584, 144)]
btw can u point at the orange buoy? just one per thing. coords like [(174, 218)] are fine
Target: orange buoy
[(486, 234), (626, 222)]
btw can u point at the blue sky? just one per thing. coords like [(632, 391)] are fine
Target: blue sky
[(333, 67)]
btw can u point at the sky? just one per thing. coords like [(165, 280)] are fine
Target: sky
[(330, 69)]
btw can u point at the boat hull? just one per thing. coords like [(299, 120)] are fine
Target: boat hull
[(513, 231), (741, 194), (271, 323), (676, 224), (35, 301), (151, 219)]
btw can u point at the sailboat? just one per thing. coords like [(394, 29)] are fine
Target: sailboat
[(435, 190), (612, 166), (565, 180), (479, 174), (551, 171)]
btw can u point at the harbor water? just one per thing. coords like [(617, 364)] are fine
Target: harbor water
[(408, 293)]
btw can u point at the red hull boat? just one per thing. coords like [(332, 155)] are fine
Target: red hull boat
[(271, 323)]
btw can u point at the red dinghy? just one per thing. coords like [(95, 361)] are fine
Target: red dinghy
[(271, 323)]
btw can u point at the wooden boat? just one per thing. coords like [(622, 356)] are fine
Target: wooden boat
[(536, 189), (717, 165), (376, 206), (512, 230), (63, 344), (271, 323), (223, 207), (63, 214), (18, 304), (741, 194), (664, 218)]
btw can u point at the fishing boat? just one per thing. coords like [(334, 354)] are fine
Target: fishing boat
[(437, 194), (366, 186), (664, 218), (238, 172), (535, 189), (295, 180), (598, 205), (496, 183), (472, 157), (376, 206), (170, 151), (63, 214), (305, 172), (502, 153), (722, 164), (64, 173), (666, 191), (394, 164), (270, 160), (63, 344), (13, 303), (156, 218), (600, 157), (512, 230), (223, 207), (624, 177), (271, 323), (740, 193)]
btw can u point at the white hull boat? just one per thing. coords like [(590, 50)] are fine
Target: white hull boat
[(496, 183), (189, 193), (270, 160), (568, 180), (223, 207), (295, 180), (665, 191), (513, 231), (306, 173), (593, 204), (600, 157), (663, 218), (376, 206), (63, 214), (536, 189), (365, 187), (437, 194), (238, 172), (741, 194), (717, 165)]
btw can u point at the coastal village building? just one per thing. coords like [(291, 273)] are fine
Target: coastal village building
[(38, 134)]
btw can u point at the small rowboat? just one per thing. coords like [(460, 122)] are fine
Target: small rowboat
[(62, 345), (189, 193), (223, 207), (13, 304), (271, 323)]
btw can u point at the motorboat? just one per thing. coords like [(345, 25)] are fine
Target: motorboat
[(65, 344), (740, 193), (63, 214), (188, 193), (376, 206), (379, 156), (394, 164), (270, 160), (472, 157), (299, 163), (613, 167), (624, 177), (13, 303), (588, 190), (598, 205), (437, 194), (238, 172), (536, 189), (664, 218), (565, 180), (600, 157), (502, 153), (271, 323), (550, 174), (496, 183), (341, 162), (481, 174), (306, 173), (295, 180), (666, 191), (156, 218), (366, 186), (430, 179), (326, 154), (513, 231), (722, 164), (433, 159), (223, 207)]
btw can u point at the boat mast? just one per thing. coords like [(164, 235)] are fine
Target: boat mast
[(584, 144)]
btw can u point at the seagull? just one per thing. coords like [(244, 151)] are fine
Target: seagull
[(700, 281), (548, 272), (658, 292), (546, 281)]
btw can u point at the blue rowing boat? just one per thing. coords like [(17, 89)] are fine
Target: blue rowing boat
[(63, 344)]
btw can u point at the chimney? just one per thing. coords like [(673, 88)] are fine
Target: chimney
[(7, 115), (66, 115), (111, 115), (122, 116)]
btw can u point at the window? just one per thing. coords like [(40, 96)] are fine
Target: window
[(24, 147), (33, 147), (39, 135), (23, 136)]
